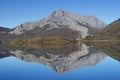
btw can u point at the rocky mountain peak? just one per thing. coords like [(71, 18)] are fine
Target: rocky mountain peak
[(58, 13), (64, 19)]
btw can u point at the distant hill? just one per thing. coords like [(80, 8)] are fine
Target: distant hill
[(110, 32), (3, 33), (2, 29)]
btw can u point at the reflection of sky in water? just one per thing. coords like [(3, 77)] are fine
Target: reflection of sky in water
[(70, 62), (12, 68), (62, 59)]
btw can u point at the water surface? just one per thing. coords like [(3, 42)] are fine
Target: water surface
[(68, 62)]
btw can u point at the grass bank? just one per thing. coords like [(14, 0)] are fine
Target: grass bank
[(38, 42)]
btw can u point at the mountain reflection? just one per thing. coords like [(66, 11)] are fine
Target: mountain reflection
[(60, 59), (111, 49)]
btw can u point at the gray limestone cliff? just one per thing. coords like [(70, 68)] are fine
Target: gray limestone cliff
[(61, 19)]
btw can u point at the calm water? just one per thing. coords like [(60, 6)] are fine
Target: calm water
[(68, 62)]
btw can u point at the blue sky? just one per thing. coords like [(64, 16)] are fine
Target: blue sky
[(15, 12)]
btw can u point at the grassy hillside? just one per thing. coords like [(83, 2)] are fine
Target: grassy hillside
[(110, 32)]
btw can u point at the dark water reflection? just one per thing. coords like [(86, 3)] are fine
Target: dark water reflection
[(111, 49), (64, 58), (60, 59)]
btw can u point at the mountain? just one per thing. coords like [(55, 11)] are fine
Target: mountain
[(62, 24), (4, 30), (110, 32), (3, 33)]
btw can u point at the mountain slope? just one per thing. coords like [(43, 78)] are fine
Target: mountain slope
[(3, 30), (62, 19), (110, 32)]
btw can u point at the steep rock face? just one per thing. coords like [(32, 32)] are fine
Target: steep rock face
[(63, 19), (62, 63)]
